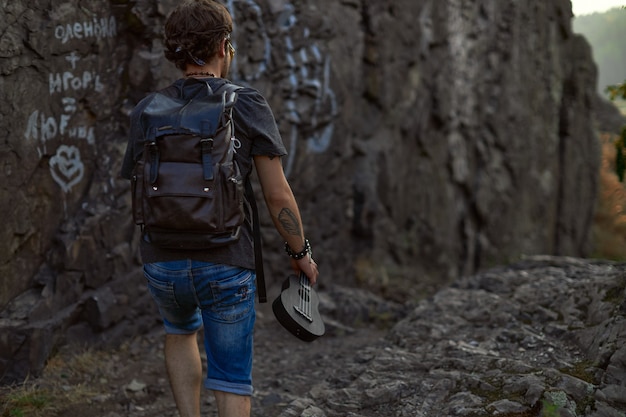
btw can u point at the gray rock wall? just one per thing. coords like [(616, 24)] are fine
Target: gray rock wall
[(427, 140)]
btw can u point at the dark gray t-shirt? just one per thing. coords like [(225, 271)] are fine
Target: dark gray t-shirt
[(256, 129)]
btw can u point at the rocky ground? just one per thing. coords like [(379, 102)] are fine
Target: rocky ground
[(543, 337), (131, 380)]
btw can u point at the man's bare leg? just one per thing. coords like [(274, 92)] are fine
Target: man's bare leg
[(232, 405), (184, 367)]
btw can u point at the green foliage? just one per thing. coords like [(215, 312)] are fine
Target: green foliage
[(19, 404), (549, 409), (606, 33), (617, 91)]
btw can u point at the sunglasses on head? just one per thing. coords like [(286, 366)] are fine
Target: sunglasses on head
[(231, 48)]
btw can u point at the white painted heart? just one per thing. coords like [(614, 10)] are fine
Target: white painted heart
[(66, 167)]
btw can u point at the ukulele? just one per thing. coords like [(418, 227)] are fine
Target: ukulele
[(296, 308)]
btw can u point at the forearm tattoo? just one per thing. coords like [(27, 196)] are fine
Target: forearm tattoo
[(289, 222)]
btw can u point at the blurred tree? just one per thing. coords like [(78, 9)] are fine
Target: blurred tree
[(616, 92), (619, 92)]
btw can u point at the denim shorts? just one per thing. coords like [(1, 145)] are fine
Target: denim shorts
[(192, 294)]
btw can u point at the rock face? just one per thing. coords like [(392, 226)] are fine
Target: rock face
[(427, 140)]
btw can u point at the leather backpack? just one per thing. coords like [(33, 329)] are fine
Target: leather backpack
[(188, 192)]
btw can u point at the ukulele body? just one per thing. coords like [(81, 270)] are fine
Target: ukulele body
[(303, 322)]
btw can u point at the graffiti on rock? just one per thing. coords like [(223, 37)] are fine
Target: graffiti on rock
[(66, 166), (310, 106)]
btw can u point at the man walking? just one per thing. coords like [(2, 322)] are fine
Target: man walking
[(215, 288)]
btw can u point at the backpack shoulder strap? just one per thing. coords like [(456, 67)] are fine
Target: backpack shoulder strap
[(231, 91), (258, 248)]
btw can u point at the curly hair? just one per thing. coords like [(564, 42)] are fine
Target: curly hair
[(194, 31)]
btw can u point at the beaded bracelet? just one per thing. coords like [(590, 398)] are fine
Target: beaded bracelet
[(299, 255)]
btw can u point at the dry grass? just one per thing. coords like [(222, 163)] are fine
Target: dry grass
[(609, 229), (68, 379)]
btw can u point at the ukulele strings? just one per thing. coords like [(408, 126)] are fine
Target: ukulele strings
[(305, 300)]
